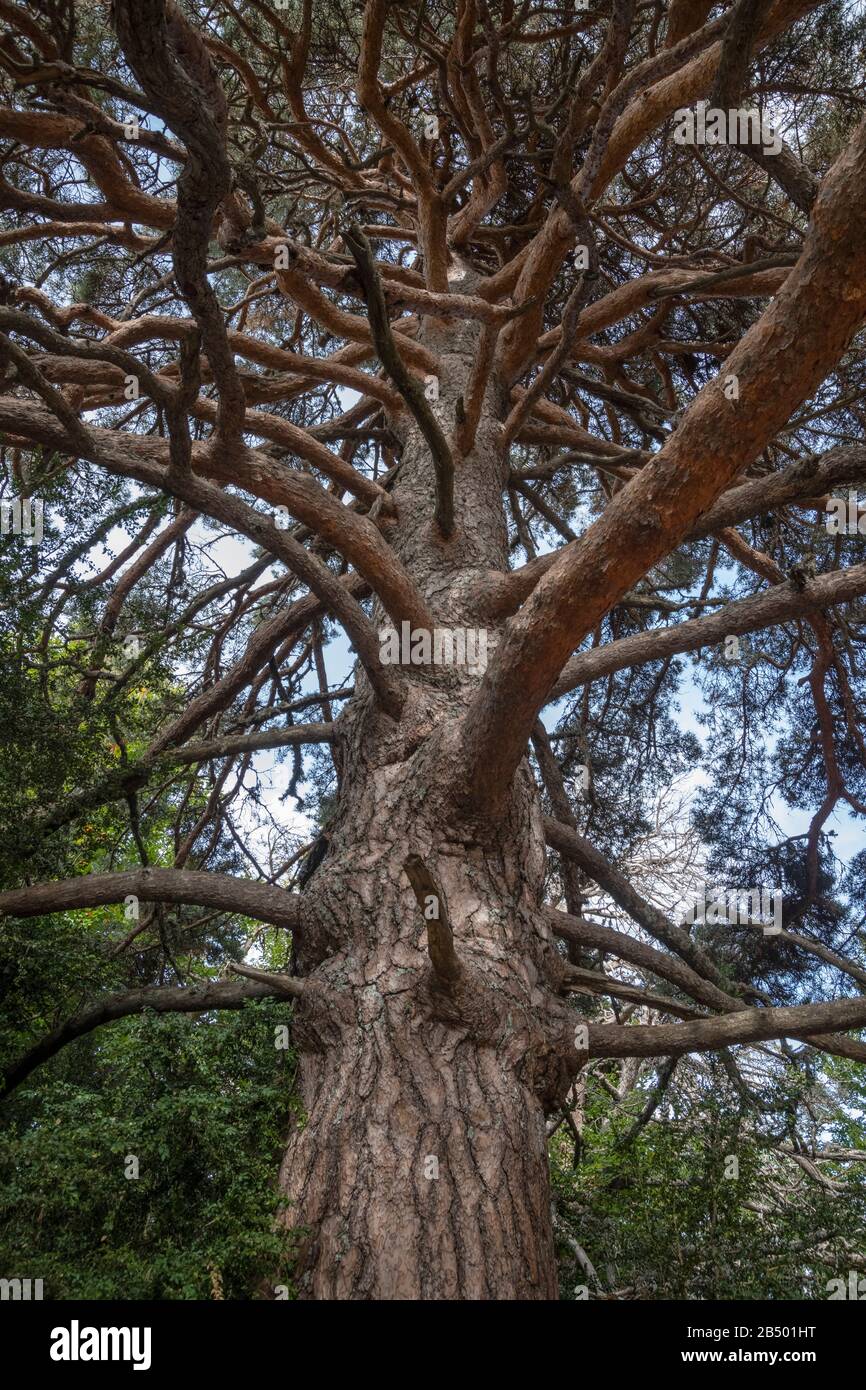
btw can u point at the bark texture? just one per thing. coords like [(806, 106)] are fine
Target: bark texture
[(421, 1171)]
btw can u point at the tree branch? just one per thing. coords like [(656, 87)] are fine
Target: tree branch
[(821, 305), (261, 901), (708, 1035), (440, 939), (380, 327), (215, 994), (762, 610)]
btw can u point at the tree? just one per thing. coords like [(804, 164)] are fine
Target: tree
[(508, 372)]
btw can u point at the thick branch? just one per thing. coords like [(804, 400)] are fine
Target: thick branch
[(216, 994), (250, 743), (261, 901), (584, 933), (146, 459), (708, 1035), (594, 864), (761, 610), (579, 981), (820, 306), (440, 939)]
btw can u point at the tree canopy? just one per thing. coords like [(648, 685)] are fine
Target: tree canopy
[(323, 322)]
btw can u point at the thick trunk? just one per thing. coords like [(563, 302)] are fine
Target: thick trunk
[(421, 1173), (421, 1170)]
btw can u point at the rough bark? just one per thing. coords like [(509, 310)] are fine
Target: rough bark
[(431, 1031), (412, 1078)]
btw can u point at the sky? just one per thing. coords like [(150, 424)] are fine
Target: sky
[(231, 554)]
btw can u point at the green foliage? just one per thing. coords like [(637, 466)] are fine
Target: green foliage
[(700, 1203), (203, 1106)]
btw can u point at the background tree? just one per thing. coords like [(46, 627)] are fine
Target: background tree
[(317, 323)]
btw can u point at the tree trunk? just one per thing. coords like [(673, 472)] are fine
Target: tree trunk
[(421, 1170)]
